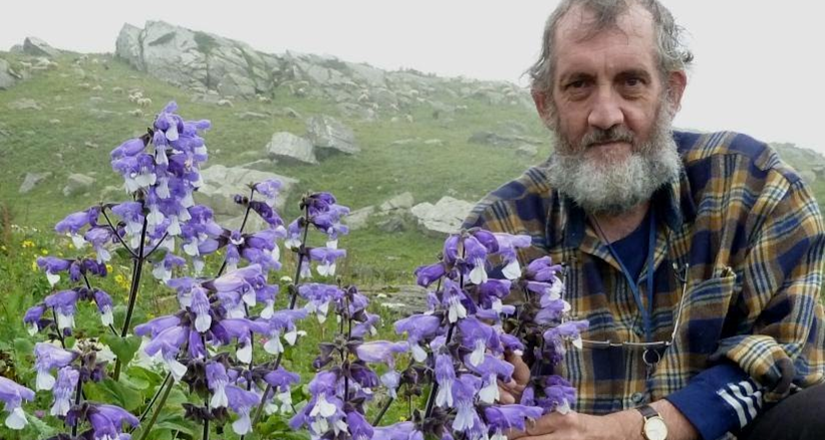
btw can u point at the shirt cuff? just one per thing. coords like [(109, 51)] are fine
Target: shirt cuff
[(720, 399)]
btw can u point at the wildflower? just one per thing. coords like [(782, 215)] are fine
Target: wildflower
[(162, 270), (380, 351), (475, 336), (27, 244), (445, 377), (426, 275), (359, 427), (53, 266), (241, 401), (559, 395), (13, 396), (505, 417), (398, 431), (269, 189), (167, 343), (418, 328), (64, 304), (47, 357), (67, 378), (200, 307), (73, 223), (106, 420), (326, 257), (465, 389), (507, 245), (476, 256), (104, 305), (281, 381), (217, 380), (33, 318)]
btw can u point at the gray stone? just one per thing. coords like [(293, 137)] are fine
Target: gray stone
[(445, 217), (527, 150), (401, 201), (39, 48), (128, 46), (358, 219), (77, 183), (502, 139), (31, 180), (8, 78), (393, 223), (222, 183), (327, 132), (252, 115), (233, 84), (287, 146), (406, 299), (25, 104)]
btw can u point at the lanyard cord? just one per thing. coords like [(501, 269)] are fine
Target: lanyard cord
[(637, 295)]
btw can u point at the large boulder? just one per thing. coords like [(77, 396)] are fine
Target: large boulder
[(7, 76), (31, 180), (77, 184), (221, 184), (233, 84), (129, 46), (286, 146), (445, 217), (402, 201), (39, 48), (329, 133)]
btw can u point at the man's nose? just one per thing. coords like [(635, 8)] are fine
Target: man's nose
[(606, 111)]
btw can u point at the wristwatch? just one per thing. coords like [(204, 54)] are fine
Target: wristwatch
[(654, 427)]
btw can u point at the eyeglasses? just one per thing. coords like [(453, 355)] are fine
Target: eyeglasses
[(652, 351)]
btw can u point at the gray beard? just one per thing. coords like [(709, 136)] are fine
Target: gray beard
[(616, 188)]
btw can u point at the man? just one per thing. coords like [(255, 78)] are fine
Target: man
[(706, 249)]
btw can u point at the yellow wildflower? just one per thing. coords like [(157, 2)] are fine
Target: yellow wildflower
[(3, 247), (44, 252), (27, 244), (34, 266), (71, 246), (109, 268)]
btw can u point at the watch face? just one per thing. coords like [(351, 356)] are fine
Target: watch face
[(655, 429)]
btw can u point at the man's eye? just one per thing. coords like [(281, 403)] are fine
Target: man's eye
[(634, 82), (576, 84)]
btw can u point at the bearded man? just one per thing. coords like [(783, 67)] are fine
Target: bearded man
[(696, 258)]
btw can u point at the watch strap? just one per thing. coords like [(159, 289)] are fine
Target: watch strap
[(647, 411)]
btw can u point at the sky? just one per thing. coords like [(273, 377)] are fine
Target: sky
[(757, 68)]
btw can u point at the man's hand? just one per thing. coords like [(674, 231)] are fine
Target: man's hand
[(622, 425), (510, 392)]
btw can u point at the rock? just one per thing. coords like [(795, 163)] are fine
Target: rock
[(54, 121), (252, 115), (25, 104), (77, 183), (358, 219), (527, 150), (39, 48), (434, 142), (31, 180), (406, 299), (445, 217), (287, 146), (8, 78), (401, 201), (327, 132), (501, 139), (222, 183), (236, 85), (393, 223)]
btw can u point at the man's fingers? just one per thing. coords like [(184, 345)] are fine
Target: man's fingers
[(521, 372)]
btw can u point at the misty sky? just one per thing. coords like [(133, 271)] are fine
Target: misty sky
[(758, 63)]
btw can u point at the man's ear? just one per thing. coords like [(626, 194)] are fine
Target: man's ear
[(544, 108), (676, 82)]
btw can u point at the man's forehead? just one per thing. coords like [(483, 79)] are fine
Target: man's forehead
[(580, 23)]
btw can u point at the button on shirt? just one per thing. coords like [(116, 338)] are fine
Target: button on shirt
[(752, 323)]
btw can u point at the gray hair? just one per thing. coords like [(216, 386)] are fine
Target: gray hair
[(672, 53)]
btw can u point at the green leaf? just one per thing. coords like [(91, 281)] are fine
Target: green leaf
[(176, 423), (115, 392), (158, 255), (123, 348), (122, 252), (23, 347), (41, 428)]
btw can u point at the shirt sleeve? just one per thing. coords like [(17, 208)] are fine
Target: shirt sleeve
[(720, 399)]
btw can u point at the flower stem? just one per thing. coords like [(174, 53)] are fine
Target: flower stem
[(58, 329), (133, 290), (145, 433), (78, 394), (160, 389)]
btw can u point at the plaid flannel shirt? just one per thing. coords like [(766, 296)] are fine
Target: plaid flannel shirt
[(752, 234)]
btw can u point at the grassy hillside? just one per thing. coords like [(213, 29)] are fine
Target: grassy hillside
[(78, 126)]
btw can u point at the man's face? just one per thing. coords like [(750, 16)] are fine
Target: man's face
[(605, 81)]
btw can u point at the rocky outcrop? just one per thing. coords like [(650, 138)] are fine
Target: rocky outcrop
[(31, 180), (39, 48), (327, 132), (445, 217), (290, 148), (8, 77), (221, 184), (77, 184)]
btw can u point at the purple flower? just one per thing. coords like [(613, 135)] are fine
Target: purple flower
[(380, 351), (34, 319), (543, 269), (99, 237), (167, 343), (107, 421), (269, 189), (475, 336), (241, 280), (129, 148), (162, 270), (445, 377), (201, 308), (359, 428), (326, 257), (508, 244), (568, 330), (73, 223), (157, 325), (491, 369), (217, 380), (476, 257), (492, 292), (53, 266), (418, 328), (398, 431), (242, 402), (465, 389), (320, 296), (13, 396), (426, 275), (104, 305), (367, 326), (293, 234), (558, 395), (67, 378), (240, 329), (64, 304), (281, 382), (505, 417), (282, 320), (453, 301)]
